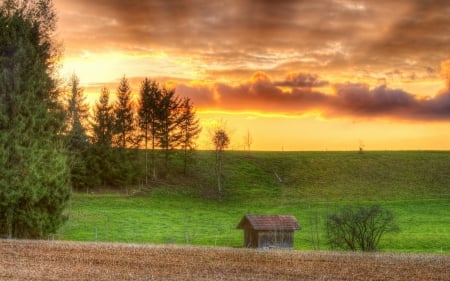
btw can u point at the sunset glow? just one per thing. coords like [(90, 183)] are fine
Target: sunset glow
[(297, 75)]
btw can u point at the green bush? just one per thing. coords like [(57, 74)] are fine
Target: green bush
[(359, 228)]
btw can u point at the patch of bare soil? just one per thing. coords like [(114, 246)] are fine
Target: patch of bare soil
[(49, 260)]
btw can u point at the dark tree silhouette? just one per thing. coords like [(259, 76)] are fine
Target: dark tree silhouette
[(189, 129), (170, 118), (124, 128), (148, 112)]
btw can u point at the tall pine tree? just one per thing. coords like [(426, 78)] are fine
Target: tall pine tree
[(189, 129), (34, 176), (101, 161), (77, 117), (124, 129), (125, 135), (77, 140), (169, 121), (149, 106), (102, 121)]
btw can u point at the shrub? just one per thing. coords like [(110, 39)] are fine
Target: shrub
[(359, 228)]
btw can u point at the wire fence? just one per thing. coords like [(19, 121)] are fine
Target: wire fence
[(216, 235)]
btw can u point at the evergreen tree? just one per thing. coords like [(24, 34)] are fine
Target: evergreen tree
[(124, 128), (101, 162), (34, 176), (102, 123), (168, 121), (77, 116), (189, 129), (168, 124), (77, 140), (125, 170), (149, 106)]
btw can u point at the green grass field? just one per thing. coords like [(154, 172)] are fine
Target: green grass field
[(187, 210)]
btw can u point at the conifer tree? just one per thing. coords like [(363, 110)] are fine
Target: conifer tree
[(34, 175), (77, 117), (189, 129), (124, 127), (149, 106), (77, 140), (102, 122), (169, 121), (124, 136), (101, 161)]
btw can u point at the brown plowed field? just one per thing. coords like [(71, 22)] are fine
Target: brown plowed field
[(41, 260)]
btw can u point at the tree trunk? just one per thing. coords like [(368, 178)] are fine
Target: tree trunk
[(9, 223), (153, 157), (219, 170), (185, 160), (146, 155)]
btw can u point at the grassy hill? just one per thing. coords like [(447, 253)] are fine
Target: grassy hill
[(187, 209)]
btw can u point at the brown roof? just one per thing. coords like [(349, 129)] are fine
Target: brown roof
[(270, 222)]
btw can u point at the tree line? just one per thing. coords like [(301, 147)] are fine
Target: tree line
[(51, 141), (50, 144), (104, 144)]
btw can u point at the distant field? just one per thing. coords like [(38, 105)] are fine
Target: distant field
[(47, 260), (187, 210)]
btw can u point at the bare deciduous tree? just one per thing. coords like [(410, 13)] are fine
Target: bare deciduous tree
[(248, 139), (359, 228), (220, 141)]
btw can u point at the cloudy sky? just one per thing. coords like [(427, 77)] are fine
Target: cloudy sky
[(297, 75)]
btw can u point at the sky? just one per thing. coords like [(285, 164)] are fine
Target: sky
[(292, 74)]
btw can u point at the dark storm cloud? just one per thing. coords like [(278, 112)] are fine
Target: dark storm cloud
[(437, 108), (302, 80), (351, 100), (259, 93), (358, 99), (202, 95)]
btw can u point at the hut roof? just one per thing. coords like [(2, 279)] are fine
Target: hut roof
[(269, 222)]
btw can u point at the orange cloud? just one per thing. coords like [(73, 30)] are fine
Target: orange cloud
[(382, 37), (260, 93)]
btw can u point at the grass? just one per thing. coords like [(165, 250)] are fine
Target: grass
[(187, 210)]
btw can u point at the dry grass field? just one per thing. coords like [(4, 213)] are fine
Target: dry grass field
[(42, 260)]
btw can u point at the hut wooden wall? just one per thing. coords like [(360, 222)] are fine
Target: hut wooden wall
[(263, 239), (276, 239)]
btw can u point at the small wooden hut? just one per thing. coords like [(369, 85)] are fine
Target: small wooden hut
[(269, 231)]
